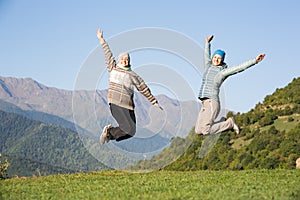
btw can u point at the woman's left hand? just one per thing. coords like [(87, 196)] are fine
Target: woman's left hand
[(260, 57)]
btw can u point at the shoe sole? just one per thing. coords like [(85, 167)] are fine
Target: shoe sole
[(103, 135)]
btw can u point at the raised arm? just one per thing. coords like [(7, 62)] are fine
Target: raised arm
[(241, 67), (109, 58), (207, 53)]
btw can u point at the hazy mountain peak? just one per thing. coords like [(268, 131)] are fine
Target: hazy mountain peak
[(18, 87)]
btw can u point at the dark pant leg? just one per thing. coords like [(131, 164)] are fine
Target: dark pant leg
[(126, 120)]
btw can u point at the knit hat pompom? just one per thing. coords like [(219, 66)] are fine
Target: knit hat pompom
[(220, 53)]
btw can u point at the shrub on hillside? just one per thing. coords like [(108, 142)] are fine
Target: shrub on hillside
[(4, 164), (268, 119)]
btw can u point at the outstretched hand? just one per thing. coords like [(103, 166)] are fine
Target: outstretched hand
[(260, 57), (208, 39), (99, 34), (158, 106)]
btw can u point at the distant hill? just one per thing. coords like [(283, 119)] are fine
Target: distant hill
[(269, 139), (32, 146), (35, 115)]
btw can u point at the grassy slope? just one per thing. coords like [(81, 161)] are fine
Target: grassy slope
[(263, 184), (281, 124), (256, 146)]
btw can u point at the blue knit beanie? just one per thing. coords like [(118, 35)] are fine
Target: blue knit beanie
[(220, 53)]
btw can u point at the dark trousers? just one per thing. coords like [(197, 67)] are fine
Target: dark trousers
[(127, 123)]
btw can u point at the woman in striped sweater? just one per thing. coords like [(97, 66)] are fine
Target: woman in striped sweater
[(122, 81), (216, 71)]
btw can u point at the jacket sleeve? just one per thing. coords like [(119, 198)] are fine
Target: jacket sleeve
[(109, 58), (207, 55), (238, 68), (144, 89)]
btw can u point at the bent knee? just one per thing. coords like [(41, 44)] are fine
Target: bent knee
[(131, 131)]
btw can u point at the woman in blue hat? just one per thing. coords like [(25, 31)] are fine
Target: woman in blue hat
[(216, 71)]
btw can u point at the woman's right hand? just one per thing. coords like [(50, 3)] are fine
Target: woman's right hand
[(99, 34), (208, 39)]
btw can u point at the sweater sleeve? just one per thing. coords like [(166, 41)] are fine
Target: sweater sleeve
[(144, 89), (207, 54), (238, 68), (109, 58)]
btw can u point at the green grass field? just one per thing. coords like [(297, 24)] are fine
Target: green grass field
[(262, 184)]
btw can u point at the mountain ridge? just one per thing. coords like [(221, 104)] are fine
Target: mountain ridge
[(29, 95)]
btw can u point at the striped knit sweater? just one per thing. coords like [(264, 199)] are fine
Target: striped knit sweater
[(122, 83), (214, 76)]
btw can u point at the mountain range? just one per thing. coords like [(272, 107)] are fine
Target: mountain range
[(27, 97), (85, 113)]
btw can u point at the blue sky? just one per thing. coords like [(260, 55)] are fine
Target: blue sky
[(50, 40)]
